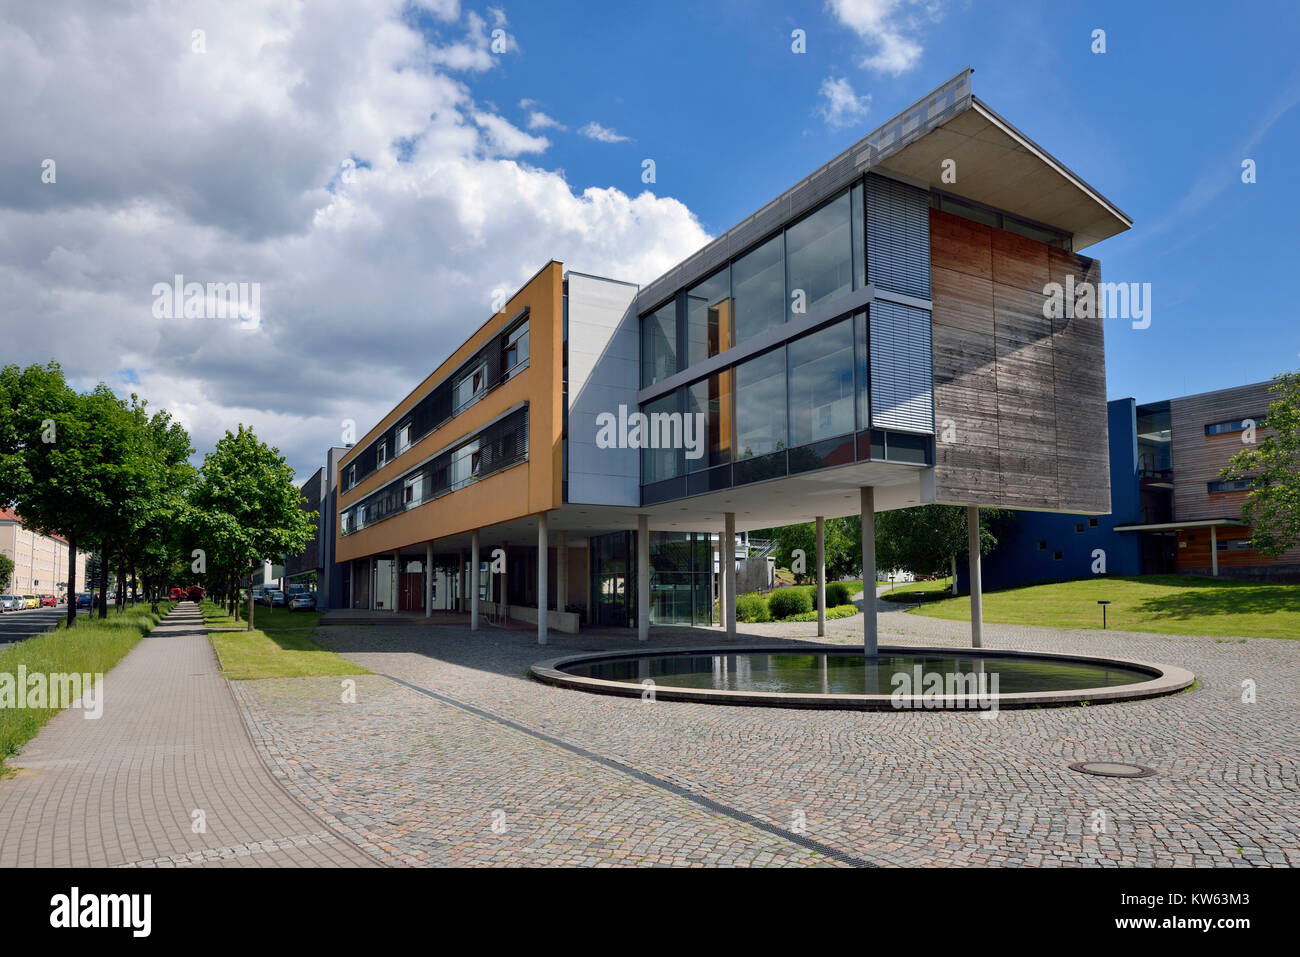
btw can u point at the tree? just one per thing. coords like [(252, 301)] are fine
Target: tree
[(926, 540), (246, 507), (1272, 508), (842, 542), (6, 571)]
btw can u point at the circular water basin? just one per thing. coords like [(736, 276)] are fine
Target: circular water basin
[(896, 679)]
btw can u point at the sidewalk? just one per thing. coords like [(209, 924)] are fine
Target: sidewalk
[(124, 789)]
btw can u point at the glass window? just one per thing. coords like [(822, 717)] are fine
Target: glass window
[(413, 492), (862, 365), (404, 438), (516, 350), (712, 396), (819, 256), (821, 384), (464, 464), (382, 454), (859, 238), (708, 317), (663, 430), (469, 386), (760, 405), (758, 285), (659, 344)]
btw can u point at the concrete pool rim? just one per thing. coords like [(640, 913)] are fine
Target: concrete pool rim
[(1165, 679)]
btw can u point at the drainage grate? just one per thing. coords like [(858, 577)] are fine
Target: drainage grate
[(1113, 769)]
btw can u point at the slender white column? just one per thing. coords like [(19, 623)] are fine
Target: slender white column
[(561, 571), (870, 637), (821, 576), (976, 585), (395, 584), (642, 577), (428, 579), (728, 557), (474, 580), (543, 579), (460, 574)]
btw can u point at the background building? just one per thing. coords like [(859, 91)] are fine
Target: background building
[(1170, 513), (40, 561)]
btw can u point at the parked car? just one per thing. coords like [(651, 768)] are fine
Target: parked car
[(83, 599), (174, 594), (9, 603), (273, 598), (303, 601), (33, 601), (195, 593), (48, 601)]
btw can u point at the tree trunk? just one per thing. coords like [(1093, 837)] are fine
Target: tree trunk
[(103, 583), (72, 581), (250, 601), (954, 574)]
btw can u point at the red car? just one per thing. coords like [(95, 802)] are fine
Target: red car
[(48, 601), (174, 594), (195, 593)]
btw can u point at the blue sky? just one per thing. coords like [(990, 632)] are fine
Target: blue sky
[(472, 166), (1159, 124)]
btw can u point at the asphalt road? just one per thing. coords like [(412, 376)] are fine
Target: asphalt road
[(18, 626)]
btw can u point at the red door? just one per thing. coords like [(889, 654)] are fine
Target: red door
[(410, 593)]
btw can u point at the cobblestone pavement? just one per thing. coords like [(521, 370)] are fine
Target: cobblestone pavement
[(122, 790), (449, 737)]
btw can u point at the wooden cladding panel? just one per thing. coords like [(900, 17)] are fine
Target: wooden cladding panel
[(1026, 393), (1199, 458)]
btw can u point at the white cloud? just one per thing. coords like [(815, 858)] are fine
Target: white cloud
[(538, 120), (506, 139), (890, 29), (842, 107), (602, 134), (227, 167)]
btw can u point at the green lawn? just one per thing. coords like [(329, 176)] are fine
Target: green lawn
[(1166, 604), (92, 647), (926, 591), (279, 647)]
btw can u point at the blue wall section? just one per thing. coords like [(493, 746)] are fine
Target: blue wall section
[(1018, 558)]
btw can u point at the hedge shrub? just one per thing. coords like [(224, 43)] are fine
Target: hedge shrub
[(785, 602), (837, 593), (751, 608)]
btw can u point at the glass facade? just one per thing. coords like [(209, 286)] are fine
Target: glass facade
[(760, 405), (709, 317), (681, 578), (821, 384), (758, 288), (712, 397), (659, 344), (658, 464), (819, 256)]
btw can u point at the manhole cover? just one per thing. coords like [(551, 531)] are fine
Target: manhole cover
[(1112, 769)]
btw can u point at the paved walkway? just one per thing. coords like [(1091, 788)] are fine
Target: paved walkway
[(125, 789), (449, 738)]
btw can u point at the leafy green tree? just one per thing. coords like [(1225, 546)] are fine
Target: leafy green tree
[(1272, 508), (6, 571), (246, 507), (843, 548), (927, 539)]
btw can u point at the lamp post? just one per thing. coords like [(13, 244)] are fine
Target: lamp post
[(1103, 613)]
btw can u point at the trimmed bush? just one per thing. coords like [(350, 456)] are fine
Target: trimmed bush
[(785, 602), (840, 611), (837, 593), (751, 607)]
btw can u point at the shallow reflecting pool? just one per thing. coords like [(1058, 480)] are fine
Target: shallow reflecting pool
[(817, 673)]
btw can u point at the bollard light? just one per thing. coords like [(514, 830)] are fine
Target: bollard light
[(1103, 613)]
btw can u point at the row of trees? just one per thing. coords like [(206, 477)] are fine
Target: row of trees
[(925, 540), (108, 475)]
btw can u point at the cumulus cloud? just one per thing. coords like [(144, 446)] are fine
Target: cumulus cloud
[(840, 106), (538, 120), (890, 29), (332, 153), (602, 134)]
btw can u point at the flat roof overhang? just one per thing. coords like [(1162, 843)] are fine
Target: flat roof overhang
[(997, 165), (1175, 526)]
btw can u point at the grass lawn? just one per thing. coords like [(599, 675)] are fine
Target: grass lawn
[(269, 651), (92, 647), (1165, 604), (925, 591)]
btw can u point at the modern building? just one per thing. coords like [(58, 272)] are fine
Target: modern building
[(40, 561), (1170, 512), (316, 568), (878, 336)]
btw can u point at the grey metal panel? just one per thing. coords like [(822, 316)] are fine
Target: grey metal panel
[(902, 372), (898, 236), (933, 110)]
